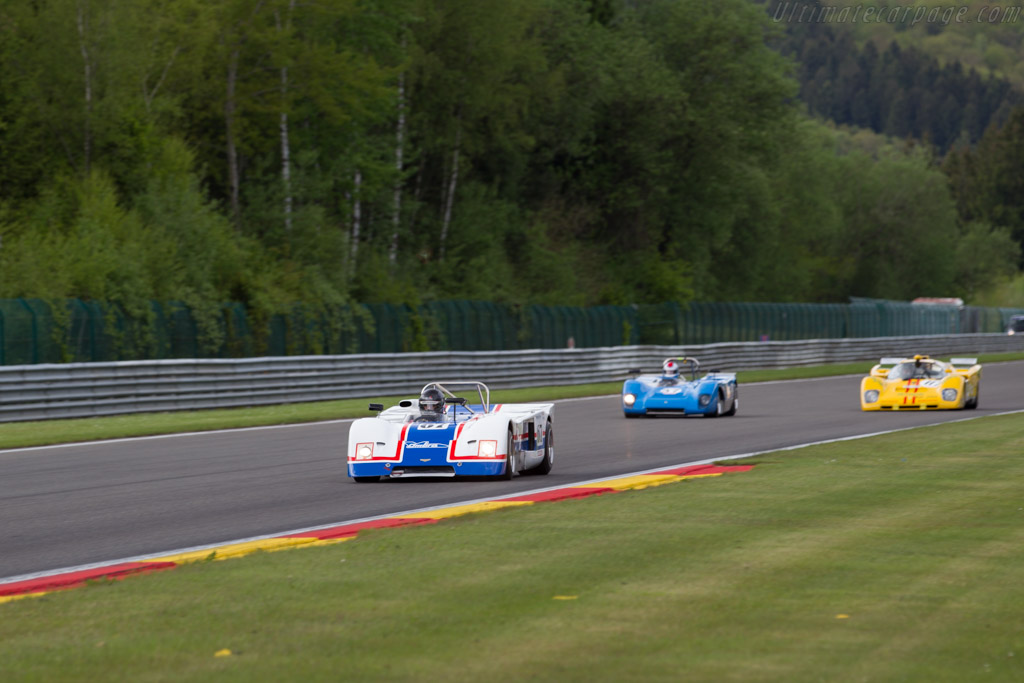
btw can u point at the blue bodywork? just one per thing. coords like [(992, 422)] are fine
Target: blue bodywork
[(714, 394)]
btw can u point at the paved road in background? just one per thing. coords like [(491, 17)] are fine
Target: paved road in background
[(85, 503)]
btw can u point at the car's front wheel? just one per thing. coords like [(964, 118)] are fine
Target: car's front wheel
[(735, 406), (718, 407), (973, 403), (365, 480)]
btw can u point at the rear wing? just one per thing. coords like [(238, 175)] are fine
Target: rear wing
[(965, 366), (725, 376), (884, 366)]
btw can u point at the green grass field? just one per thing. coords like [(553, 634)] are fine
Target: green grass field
[(894, 558), (21, 434)]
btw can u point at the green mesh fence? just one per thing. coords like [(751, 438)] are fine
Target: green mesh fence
[(38, 331)]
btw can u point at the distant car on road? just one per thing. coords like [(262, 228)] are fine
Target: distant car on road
[(679, 390), (921, 383), (1016, 325), (442, 434)]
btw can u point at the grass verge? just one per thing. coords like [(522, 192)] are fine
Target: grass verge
[(900, 557), (47, 432)]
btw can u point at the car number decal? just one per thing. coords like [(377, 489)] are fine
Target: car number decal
[(671, 392)]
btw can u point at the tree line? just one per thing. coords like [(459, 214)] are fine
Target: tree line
[(527, 151), (899, 92)]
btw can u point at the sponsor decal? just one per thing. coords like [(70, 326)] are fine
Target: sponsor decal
[(671, 391), (424, 444)]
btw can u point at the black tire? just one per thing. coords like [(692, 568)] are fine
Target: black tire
[(631, 416), (735, 406), (972, 404), (366, 480), (718, 408), (549, 453), (510, 469)]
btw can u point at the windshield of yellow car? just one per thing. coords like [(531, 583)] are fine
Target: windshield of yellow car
[(910, 370)]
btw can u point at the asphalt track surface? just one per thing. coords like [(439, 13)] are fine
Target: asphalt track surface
[(89, 503)]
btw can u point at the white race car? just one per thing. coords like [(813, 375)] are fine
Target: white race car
[(442, 434)]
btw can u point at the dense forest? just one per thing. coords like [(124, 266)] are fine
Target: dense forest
[(542, 151), (899, 92)]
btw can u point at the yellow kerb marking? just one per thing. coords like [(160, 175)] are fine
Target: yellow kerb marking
[(12, 598), (640, 481), (236, 550), (327, 541), (466, 509)]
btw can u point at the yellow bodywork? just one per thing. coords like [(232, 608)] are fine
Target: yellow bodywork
[(921, 383)]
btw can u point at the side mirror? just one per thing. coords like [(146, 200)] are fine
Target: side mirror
[(377, 407), (455, 400), (405, 404), (634, 371)]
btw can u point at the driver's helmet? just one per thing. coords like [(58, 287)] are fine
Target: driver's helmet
[(431, 402), (670, 368)]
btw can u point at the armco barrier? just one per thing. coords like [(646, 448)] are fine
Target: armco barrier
[(38, 392)]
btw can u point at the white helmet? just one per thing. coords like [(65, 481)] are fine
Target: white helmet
[(670, 368)]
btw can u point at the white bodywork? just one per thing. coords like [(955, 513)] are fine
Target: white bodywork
[(471, 438)]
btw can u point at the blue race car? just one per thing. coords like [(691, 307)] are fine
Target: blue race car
[(671, 393)]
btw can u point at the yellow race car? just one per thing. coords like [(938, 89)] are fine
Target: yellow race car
[(921, 383)]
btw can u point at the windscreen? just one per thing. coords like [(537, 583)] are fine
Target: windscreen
[(914, 371)]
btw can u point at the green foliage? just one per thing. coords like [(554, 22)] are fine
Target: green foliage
[(901, 227), (1007, 292), (896, 85), (525, 151), (984, 257)]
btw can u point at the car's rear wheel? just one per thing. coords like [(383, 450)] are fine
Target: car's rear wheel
[(366, 480), (549, 452), (510, 458)]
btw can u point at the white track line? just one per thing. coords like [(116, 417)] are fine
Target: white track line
[(412, 513)]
